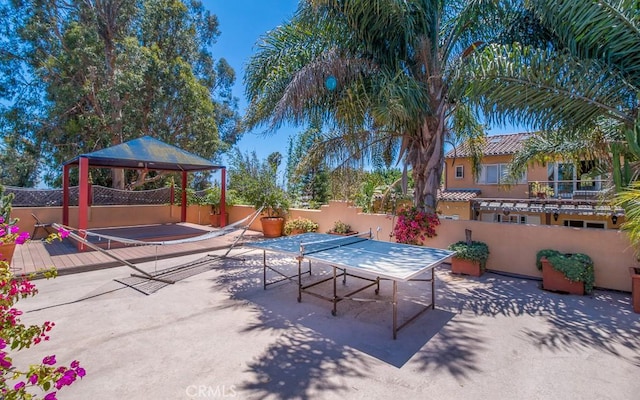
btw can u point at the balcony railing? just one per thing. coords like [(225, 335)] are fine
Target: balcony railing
[(569, 189)]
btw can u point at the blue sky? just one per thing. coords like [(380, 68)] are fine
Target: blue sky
[(242, 22)]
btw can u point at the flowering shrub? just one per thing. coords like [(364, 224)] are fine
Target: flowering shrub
[(10, 233), (14, 336), (414, 226)]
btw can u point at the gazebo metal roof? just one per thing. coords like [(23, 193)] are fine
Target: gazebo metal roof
[(146, 153), (142, 153)]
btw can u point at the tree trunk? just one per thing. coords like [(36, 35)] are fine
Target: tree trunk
[(426, 156)]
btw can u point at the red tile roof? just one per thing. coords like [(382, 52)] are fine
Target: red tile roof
[(495, 145), (458, 194)]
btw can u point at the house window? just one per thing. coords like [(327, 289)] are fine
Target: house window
[(459, 171), (584, 224), (495, 174), (510, 219)]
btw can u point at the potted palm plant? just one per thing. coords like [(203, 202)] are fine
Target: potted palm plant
[(212, 198), (566, 272), (275, 203)]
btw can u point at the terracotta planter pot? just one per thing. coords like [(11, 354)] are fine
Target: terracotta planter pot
[(272, 226), (555, 281), (466, 267), (214, 219), (635, 288), (6, 252)]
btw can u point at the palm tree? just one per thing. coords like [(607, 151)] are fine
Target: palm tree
[(378, 74), (579, 80)]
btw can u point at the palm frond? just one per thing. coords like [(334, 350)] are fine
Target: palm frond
[(629, 200), (603, 29), (588, 144), (541, 88)]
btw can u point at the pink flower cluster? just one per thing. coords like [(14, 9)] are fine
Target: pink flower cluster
[(415, 226), (10, 233), (15, 336)]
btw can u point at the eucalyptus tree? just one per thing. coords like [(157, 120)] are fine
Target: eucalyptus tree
[(578, 80), (378, 73), (81, 75), (307, 183)]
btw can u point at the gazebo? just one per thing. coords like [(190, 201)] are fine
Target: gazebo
[(142, 153)]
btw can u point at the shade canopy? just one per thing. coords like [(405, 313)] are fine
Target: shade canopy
[(142, 153), (146, 153)]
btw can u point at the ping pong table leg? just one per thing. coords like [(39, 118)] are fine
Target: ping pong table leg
[(334, 312), (264, 269), (395, 309), (300, 278), (433, 289)]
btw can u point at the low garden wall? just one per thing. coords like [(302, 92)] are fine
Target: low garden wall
[(513, 247)]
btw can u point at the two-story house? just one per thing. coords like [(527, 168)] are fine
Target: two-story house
[(555, 193)]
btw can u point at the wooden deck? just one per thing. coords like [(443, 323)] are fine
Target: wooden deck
[(37, 255)]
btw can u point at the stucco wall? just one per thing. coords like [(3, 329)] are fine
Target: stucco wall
[(101, 216), (460, 208), (513, 247)]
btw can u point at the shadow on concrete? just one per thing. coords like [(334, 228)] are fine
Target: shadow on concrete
[(602, 320), (314, 349)]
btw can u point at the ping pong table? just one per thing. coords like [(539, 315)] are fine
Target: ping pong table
[(357, 256)]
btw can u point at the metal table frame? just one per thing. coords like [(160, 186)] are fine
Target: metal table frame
[(341, 272)]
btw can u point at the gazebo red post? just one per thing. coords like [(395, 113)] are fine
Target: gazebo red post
[(183, 210), (83, 196), (65, 194), (223, 197)]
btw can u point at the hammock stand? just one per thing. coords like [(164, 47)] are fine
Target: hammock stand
[(82, 234)]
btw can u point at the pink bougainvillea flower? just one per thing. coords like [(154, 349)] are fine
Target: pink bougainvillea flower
[(49, 360), (24, 236), (63, 232), (19, 385), (81, 372), (51, 396), (33, 379), (4, 362)]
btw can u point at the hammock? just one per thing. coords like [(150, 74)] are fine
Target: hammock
[(209, 235), (82, 234)]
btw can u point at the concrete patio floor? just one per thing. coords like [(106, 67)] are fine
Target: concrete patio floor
[(218, 334)]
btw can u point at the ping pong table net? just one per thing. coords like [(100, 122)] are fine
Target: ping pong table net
[(328, 244)]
